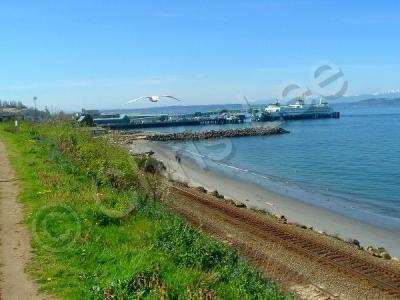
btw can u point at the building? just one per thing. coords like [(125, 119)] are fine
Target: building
[(7, 116), (146, 119), (114, 115), (85, 120), (91, 112), (122, 120)]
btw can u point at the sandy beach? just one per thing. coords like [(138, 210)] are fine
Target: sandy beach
[(255, 196)]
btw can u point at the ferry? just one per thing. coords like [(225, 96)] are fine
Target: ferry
[(298, 110)]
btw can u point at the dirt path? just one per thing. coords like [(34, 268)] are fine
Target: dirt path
[(15, 248)]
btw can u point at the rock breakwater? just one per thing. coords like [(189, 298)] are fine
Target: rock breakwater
[(210, 134)]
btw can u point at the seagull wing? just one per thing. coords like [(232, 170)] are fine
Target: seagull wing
[(172, 97), (137, 99)]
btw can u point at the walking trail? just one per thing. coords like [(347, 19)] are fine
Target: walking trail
[(15, 250)]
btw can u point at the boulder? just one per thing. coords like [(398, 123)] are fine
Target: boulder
[(217, 195), (281, 218), (353, 242), (375, 251), (185, 184), (229, 201), (385, 255), (201, 189), (239, 204)]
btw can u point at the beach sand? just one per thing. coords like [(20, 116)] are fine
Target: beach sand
[(255, 196)]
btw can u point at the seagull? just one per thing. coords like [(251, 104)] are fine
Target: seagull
[(153, 98)]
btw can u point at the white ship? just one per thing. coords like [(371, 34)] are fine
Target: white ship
[(298, 110)]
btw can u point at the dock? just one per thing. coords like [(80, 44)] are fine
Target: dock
[(175, 123), (273, 112)]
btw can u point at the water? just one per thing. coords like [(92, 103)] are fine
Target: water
[(350, 165)]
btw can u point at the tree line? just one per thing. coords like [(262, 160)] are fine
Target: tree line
[(12, 104)]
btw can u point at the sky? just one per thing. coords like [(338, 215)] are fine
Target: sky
[(99, 54)]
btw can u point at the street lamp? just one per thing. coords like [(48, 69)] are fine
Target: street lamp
[(34, 101)]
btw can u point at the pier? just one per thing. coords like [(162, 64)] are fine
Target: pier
[(272, 113), (176, 122)]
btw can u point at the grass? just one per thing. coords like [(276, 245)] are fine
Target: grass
[(100, 230)]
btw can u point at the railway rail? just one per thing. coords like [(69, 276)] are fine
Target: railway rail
[(274, 270), (380, 278)]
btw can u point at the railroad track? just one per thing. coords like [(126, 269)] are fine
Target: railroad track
[(291, 280), (378, 277)]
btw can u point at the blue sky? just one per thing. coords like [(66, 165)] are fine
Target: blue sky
[(99, 54)]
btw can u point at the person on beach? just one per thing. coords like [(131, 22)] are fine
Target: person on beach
[(177, 157)]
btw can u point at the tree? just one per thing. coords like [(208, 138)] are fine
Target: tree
[(163, 118), (87, 121), (20, 105)]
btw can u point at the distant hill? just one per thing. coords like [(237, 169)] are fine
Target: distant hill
[(370, 102), (386, 95), (391, 97), (176, 109)]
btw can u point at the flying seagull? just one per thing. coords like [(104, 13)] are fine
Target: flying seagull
[(153, 98)]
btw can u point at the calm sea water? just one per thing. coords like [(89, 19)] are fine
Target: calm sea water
[(350, 165)]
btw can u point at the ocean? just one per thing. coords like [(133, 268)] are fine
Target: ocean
[(349, 165)]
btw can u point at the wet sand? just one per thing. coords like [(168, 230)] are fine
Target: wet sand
[(256, 196)]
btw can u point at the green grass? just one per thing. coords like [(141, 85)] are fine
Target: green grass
[(99, 228)]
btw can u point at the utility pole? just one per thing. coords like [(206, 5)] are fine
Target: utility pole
[(34, 101)]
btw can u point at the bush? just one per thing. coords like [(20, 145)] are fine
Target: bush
[(109, 165), (190, 248), (11, 128)]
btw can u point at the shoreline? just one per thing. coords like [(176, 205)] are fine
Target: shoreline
[(259, 197)]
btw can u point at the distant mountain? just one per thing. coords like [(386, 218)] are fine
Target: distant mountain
[(370, 102), (390, 94), (263, 101), (391, 97)]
